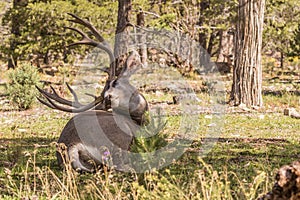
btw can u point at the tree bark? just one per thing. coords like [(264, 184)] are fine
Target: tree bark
[(211, 43), (281, 59), (15, 30), (121, 38), (225, 52), (247, 72), (204, 4), (141, 38)]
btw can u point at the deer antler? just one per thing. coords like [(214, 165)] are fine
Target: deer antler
[(59, 99), (76, 107), (53, 99), (102, 44)]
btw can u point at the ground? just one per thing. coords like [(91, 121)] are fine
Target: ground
[(241, 164)]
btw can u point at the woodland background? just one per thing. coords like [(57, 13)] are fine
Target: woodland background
[(253, 145)]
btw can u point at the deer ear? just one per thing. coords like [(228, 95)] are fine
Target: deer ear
[(132, 63)]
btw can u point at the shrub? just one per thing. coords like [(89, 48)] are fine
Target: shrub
[(21, 86), (149, 140)]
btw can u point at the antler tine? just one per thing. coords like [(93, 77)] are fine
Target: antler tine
[(45, 103), (53, 90), (73, 110), (91, 95), (75, 106), (88, 41), (55, 97), (102, 44), (74, 96), (87, 24)]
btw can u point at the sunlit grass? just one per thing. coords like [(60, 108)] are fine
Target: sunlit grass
[(250, 149), (261, 125), (284, 100), (201, 182), (239, 162)]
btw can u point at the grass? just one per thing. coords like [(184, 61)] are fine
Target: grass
[(261, 125), (241, 165), (282, 100)]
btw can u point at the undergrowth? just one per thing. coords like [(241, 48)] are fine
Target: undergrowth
[(21, 86), (42, 182), (241, 165)]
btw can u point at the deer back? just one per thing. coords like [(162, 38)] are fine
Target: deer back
[(91, 133)]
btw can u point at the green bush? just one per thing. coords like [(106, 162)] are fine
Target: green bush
[(21, 86), (149, 140)]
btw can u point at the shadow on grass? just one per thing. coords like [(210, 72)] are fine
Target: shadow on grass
[(238, 159), (280, 93), (230, 151), (16, 152), (243, 156)]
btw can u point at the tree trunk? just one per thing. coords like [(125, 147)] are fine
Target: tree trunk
[(204, 4), (225, 52), (247, 72), (121, 38), (15, 30), (281, 59), (211, 43), (141, 38)]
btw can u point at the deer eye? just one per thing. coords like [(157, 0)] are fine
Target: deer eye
[(115, 83)]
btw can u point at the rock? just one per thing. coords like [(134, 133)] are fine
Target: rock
[(186, 98), (291, 112)]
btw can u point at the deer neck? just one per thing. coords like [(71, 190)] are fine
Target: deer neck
[(138, 107)]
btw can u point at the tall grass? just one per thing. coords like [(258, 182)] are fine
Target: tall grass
[(36, 181)]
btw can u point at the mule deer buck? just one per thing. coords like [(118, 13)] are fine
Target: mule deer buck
[(95, 132)]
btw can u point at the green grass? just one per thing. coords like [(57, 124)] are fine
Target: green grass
[(241, 162), (241, 165), (283, 100), (262, 125)]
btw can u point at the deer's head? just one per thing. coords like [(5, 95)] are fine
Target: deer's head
[(117, 94)]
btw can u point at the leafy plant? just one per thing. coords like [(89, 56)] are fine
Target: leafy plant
[(150, 139), (39, 32), (21, 86), (280, 27)]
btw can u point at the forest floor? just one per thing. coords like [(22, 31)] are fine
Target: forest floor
[(240, 164)]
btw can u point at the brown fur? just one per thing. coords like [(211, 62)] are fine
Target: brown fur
[(100, 130), (287, 184)]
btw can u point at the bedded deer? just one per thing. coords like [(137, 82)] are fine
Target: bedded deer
[(96, 133)]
